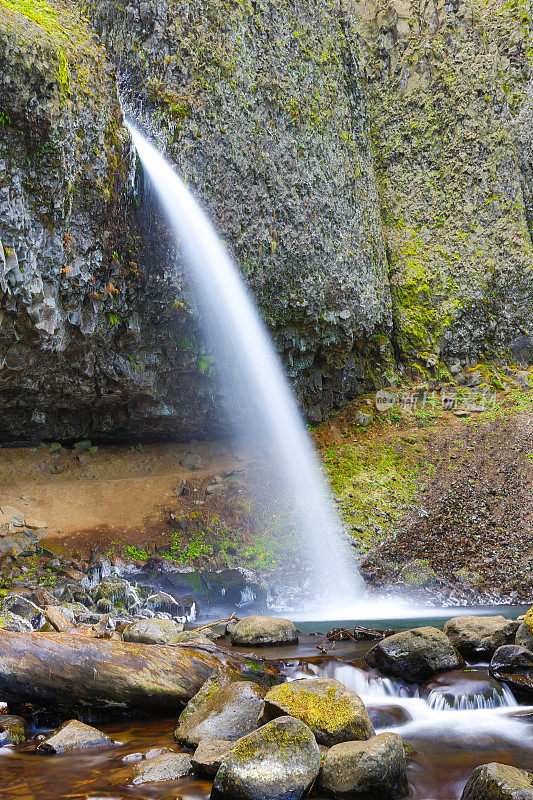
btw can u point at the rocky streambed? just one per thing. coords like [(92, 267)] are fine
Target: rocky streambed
[(430, 713)]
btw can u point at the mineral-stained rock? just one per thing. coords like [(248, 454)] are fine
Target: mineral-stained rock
[(513, 665), (262, 631), (12, 730), (73, 735), (229, 714), (499, 782), (414, 655), (371, 770), (479, 637), (152, 631), (277, 762), (333, 712), (166, 767), (208, 756)]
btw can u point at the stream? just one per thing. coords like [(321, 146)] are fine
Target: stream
[(451, 723)]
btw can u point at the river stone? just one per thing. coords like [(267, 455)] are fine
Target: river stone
[(208, 756), (478, 637), (261, 631), (277, 762), (414, 655), (499, 782), (166, 767), (12, 730), (229, 714), (513, 665), (152, 631), (73, 735), (524, 636), (332, 711), (223, 677), (388, 716), (374, 769)]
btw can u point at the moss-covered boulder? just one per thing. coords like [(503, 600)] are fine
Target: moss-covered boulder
[(230, 713), (371, 770), (499, 782), (478, 637), (279, 761), (221, 678), (524, 634), (414, 655), (12, 730), (152, 631), (259, 631), (333, 712)]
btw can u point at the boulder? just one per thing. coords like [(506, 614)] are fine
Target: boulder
[(524, 636), (260, 631), (230, 713), (388, 716), (374, 770), (152, 631), (73, 735), (499, 782), (208, 756), (513, 665), (332, 711), (277, 762), (165, 767), (222, 677), (414, 655), (478, 637), (12, 730)]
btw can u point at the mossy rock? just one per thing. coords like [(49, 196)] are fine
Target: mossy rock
[(499, 782)]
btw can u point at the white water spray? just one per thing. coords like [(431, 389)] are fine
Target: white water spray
[(242, 348)]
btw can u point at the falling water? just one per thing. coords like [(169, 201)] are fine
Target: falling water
[(242, 348)]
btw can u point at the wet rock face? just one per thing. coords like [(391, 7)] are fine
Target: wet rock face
[(513, 665), (414, 655), (478, 637), (261, 108), (499, 782)]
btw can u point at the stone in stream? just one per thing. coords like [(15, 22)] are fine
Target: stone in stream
[(230, 713), (478, 637), (152, 631), (463, 689), (258, 631), (222, 677), (332, 711), (414, 655), (524, 636), (388, 716), (513, 665), (73, 735), (499, 782), (208, 756), (166, 767), (12, 730), (279, 761), (374, 770)]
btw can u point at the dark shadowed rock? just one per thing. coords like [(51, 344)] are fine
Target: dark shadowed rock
[(478, 637), (229, 714), (499, 782), (387, 716), (277, 762), (332, 711), (374, 770), (12, 730), (73, 735), (414, 655), (513, 665), (208, 756), (166, 767), (262, 631), (152, 631)]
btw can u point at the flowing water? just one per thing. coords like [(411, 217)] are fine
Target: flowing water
[(252, 375)]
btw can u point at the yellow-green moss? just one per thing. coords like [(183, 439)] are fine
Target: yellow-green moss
[(529, 619), (327, 710)]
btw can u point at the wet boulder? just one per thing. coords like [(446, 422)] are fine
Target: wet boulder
[(230, 713), (374, 770), (222, 677), (73, 735), (208, 756), (499, 782), (116, 592), (524, 636), (277, 762), (332, 711), (165, 767), (258, 631), (388, 716), (414, 655), (12, 730), (513, 665), (479, 637), (152, 631)]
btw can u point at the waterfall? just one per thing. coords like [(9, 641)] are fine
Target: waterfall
[(252, 374)]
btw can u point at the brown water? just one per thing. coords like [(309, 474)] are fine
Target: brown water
[(448, 744)]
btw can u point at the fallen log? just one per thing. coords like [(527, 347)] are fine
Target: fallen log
[(63, 670)]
